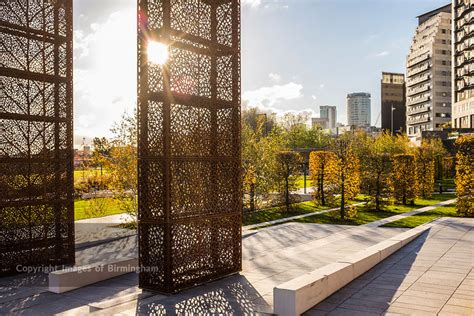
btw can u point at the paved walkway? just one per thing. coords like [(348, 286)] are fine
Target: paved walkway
[(432, 275), (407, 214), (98, 230), (270, 256), (371, 224)]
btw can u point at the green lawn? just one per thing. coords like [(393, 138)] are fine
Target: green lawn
[(418, 219), (80, 207), (365, 216), (300, 182), (80, 174), (275, 213), (446, 184)]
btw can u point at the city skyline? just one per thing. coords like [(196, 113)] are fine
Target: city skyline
[(281, 80)]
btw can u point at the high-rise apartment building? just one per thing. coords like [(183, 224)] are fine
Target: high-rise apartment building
[(358, 109), (463, 64), (428, 83), (329, 112), (393, 102)]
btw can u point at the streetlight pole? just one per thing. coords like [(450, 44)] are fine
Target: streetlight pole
[(391, 117)]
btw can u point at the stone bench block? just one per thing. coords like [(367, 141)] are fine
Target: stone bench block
[(78, 276), (302, 293)]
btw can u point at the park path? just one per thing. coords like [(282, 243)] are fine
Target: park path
[(407, 214), (433, 275), (371, 224)]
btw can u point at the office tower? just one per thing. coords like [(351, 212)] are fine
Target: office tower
[(393, 102), (463, 62), (428, 84), (321, 122), (329, 112), (358, 109)]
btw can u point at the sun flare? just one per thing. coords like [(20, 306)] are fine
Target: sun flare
[(157, 53)]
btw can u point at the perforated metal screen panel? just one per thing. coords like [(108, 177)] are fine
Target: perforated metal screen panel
[(189, 143), (36, 169)]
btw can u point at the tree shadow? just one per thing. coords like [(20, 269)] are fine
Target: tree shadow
[(28, 295), (233, 295)]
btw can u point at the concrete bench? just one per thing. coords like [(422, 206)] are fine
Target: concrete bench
[(78, 276), (302, 293)]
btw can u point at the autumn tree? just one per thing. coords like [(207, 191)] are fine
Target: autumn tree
[(288, 163), (101, 153), (465, 175), (403, 178), (297, 134), (448, 167), (123, 163), (255, 118), (374, 156), (323, 169), (377, 172), (348, 175), (425, 158), (259, 158)]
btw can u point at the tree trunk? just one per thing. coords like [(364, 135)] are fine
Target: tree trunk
[(343, 189), (323, 198), (252, 197), (377, 194), (287, 195)]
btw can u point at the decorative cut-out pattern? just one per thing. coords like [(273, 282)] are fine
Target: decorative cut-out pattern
[(190, 199), (36, 180)]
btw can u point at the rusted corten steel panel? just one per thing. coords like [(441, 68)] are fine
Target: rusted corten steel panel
[(189, 143), (36, 151)]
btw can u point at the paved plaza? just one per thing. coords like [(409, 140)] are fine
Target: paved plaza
[(431, 274)]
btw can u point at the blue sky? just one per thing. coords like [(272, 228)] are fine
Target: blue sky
[(296, 54)]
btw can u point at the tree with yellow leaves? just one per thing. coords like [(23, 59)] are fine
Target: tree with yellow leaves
[(403, 180), (288, 163), (348, 175), (259, 154), (374, 154), (425, 169), (323, 169), (465, 175)]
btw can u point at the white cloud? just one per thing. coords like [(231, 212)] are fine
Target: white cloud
[(267, 4), (269, 96), (322, 85), (85, 120), (105, 72), (314, 97), (274, 77), (382, 54), (252, 3)]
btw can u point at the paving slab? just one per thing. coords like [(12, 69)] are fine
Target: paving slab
[(434, 275), (275, 255), (271, 256)]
